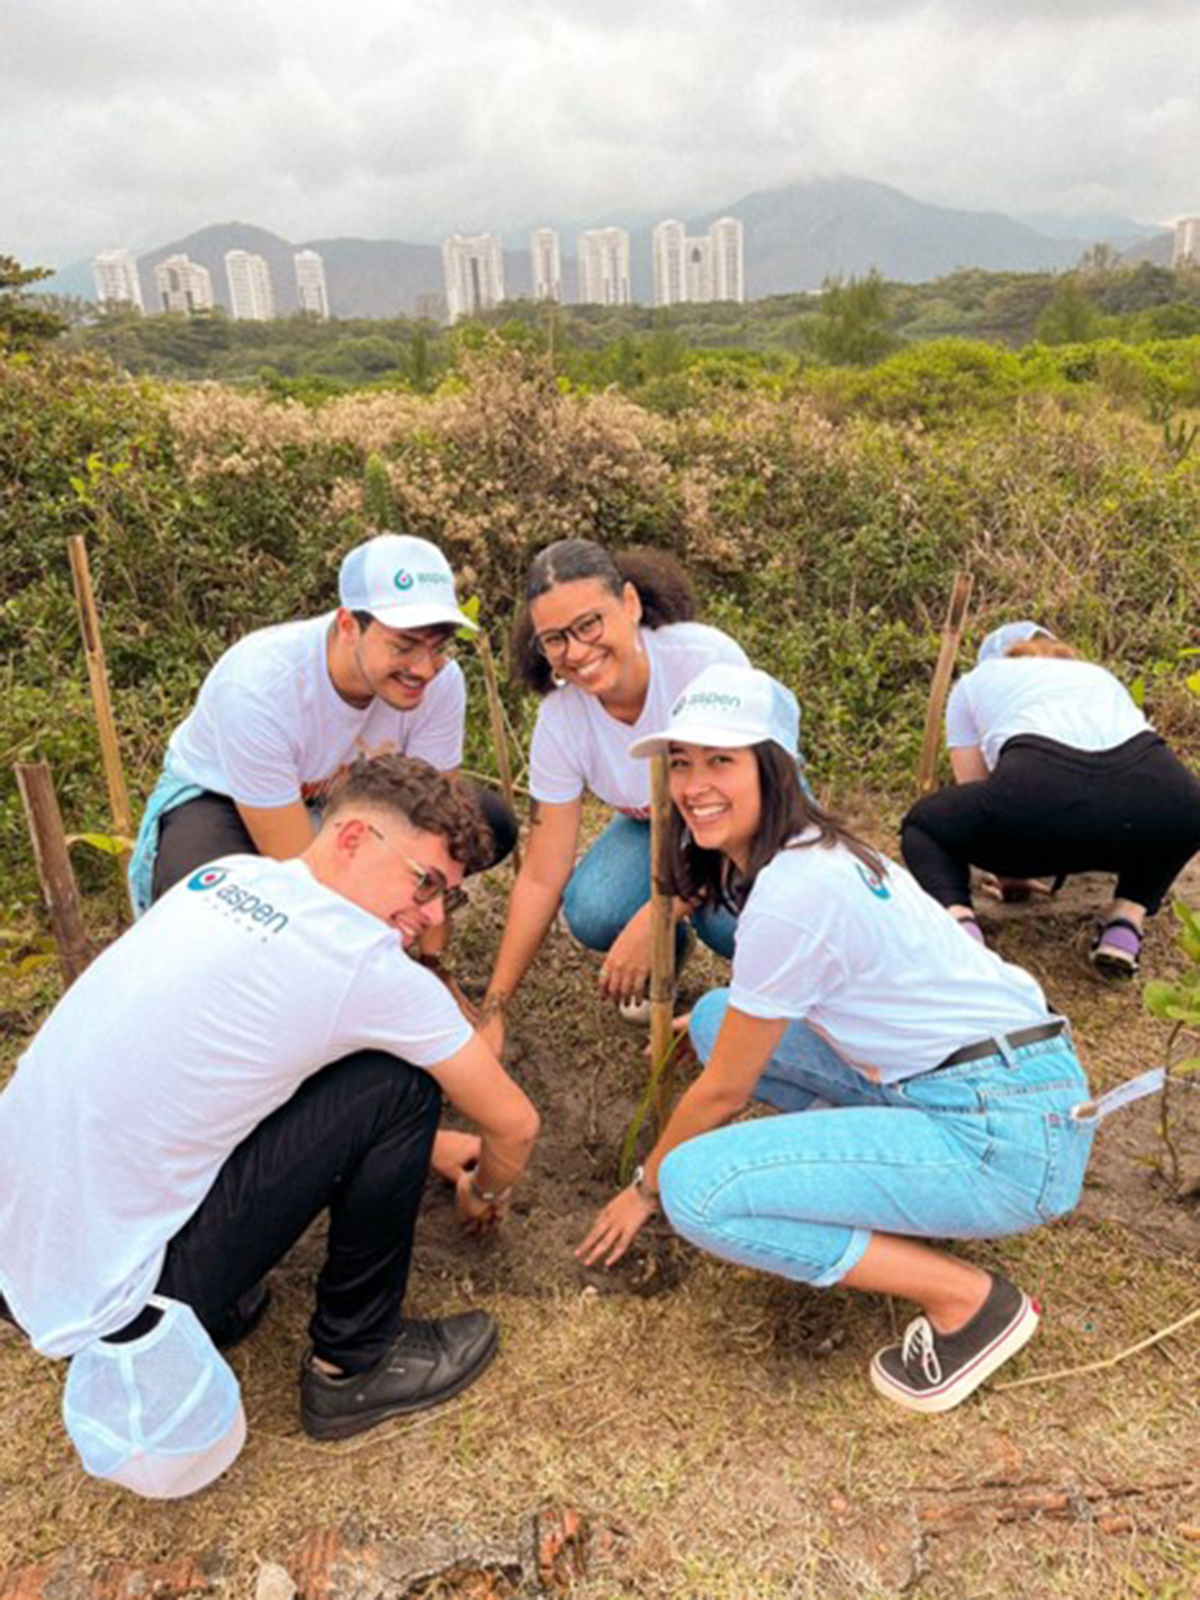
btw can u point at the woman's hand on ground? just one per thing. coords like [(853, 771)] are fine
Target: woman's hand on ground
[(454, 1153), (998, 888), (626, 969), (615, 1229)]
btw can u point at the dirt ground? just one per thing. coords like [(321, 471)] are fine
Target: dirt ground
[(717, 1424)]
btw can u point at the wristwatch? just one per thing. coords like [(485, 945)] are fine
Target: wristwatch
[(638, 1185)]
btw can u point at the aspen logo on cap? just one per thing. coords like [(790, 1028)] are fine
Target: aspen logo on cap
[(709, 698), (403, 580)]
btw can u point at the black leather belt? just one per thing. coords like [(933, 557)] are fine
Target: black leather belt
[(990, 1047)]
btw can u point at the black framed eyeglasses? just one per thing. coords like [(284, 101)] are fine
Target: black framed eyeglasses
[(586, 629), (430, 884)]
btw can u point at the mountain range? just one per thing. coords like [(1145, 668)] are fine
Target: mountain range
[(795, 237)]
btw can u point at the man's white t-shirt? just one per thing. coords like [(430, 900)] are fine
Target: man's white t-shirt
[(578, 745), (1075, 703), (875, 966), (172, 1047), (269, 728)]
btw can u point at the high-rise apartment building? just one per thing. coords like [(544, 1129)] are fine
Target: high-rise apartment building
[(694, 269), (604, 267), (183, 285), (117, 281), (251, 298), (547, 265), (728, 259), (667, 244), (311, 289), (1187, 242), (474, 269)]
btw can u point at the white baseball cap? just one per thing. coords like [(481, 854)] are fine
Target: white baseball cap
[(403, 582), (729, 707), (161, 1415), (1001, 640)]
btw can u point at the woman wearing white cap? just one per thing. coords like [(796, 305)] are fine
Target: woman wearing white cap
[(609, 642), (927, 1089), (1057, 771)]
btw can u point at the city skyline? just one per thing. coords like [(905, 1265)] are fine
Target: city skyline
[(130, 122)]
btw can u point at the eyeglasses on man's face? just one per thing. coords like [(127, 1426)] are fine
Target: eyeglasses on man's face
[(586, 629), (430, 884), (406, 649)]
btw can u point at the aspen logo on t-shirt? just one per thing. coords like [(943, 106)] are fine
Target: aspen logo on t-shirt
[(259, 915), (873, 882)]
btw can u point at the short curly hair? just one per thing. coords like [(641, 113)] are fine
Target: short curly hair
[(427, 799)]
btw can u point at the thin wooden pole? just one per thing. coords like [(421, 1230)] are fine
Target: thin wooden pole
[(662, 948), (54, 867), (499, 738), (93, 649), (956, 616)]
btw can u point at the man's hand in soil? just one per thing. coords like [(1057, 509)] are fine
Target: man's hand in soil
[(626, 969), (454, 1153), (615, 1229), (476, 1215)]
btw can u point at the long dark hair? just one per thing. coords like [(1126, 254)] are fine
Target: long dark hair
[(709, 877), (660, 581)]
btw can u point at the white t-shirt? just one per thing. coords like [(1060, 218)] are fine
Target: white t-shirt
[(578, 745), (1075, 703), (879, 969), (269, 728), (176, 1042)]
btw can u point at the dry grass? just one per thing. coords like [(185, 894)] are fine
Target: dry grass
[(724, 1423)]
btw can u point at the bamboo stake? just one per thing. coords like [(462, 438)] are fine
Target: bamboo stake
[(499, 738), (93, 649), (54, 867), (662, 948), (1106, 1363), (956, 616)]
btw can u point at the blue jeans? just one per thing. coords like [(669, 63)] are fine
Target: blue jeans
[(612, 882), (967, 1152)]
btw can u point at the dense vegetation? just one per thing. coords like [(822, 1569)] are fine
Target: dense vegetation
[(592, 346), (822, 518)]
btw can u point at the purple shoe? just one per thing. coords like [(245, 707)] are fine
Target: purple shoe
[(1117, 948)]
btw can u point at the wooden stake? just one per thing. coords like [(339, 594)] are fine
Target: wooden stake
[(499, 738), (662, 948), (956, 616), (93, 649), (54, 867)]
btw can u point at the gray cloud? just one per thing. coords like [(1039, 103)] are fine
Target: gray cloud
[(134, 123)]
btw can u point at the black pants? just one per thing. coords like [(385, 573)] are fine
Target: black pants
[(210, 826), (356, 1139), (1048, 809)]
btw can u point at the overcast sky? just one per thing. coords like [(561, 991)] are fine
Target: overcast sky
[(133, 122)]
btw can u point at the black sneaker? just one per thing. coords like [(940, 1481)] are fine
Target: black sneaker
[(429, 1362), (931, 1371)]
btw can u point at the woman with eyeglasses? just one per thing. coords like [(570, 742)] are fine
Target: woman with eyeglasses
[(609, 641), (927, 1090)]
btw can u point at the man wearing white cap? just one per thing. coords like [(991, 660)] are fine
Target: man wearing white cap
[(288, 708)]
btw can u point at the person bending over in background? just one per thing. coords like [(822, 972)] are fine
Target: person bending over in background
[(1056, 771), (608, 641), (258, 1048), (927, 1090)]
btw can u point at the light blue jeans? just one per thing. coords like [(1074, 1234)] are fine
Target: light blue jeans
[(612, 882), (967, 1152)]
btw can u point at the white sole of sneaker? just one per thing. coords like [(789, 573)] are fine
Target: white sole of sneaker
[(964, 1382)]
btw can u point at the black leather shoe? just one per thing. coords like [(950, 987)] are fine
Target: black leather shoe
[(428, 1362)]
